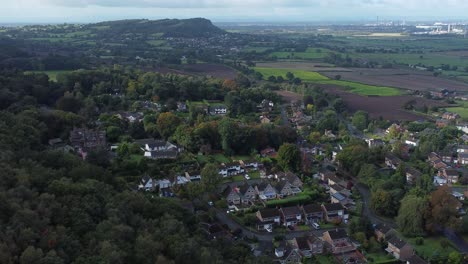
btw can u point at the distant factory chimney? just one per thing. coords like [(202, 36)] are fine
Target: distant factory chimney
[(449, 28)]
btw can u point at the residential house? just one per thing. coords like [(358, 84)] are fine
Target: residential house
[(451, 175), (436, 161), (339, 241), (182, 107), (231, 169), (333, 212), (217, 110), (412, 175), (392, 161), (158, 149), (250, 165), (399, 249), (308, 245), (147, 183), (290, 177), (232, 195), (463, 127), (441, 123), (194, 176), (415, 259), (291, 216), (285, 189), (374, 143), (268, 152), (265, 120), (247, 193), (450, 116), (312, 213), (165, 188), (463, 158), (326, 174), (56, 143), (462, 149), (131, 117), (458, 195), (446, 157), (266, 106), (383, 232), (464, 138), (85, 140), (268, 218), (266, 191), (287, 255), (341, 199), (412, 142)]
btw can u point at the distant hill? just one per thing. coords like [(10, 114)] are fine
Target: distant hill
[(185, 28)]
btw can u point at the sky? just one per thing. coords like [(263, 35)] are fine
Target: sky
[(58, 11)]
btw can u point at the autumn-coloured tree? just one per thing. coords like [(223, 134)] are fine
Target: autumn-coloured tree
[(167, 124), (443, 210)]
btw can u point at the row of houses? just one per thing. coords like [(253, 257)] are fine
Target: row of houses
[(269, 218), (283, 185), (158, 149), (165, 186)]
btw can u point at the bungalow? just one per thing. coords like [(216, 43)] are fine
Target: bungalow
[(308, 246), (268, 218), (266, 191), (399, 249), (312, 213), (458, 195), (291, 216), (450, 174), (412, 175), (333, 212), (232, 195), (441, 123), (383, 232), (463, 158), (339, 241), (392, 161)]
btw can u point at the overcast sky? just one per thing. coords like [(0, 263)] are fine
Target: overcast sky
[(45, 11)]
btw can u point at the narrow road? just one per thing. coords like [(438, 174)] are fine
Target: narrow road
[(284, 116), (224, 218), (367, 211)]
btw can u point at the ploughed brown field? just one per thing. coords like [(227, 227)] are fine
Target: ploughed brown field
[(387, 107), (405, 79), (203, 69), (304, 66)]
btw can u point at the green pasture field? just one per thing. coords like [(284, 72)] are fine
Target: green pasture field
[(306, 76), (428, 59), (52, 74), (314, 77), (156, 42), (256, 49)]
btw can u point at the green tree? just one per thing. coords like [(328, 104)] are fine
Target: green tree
[(167, 124), (210, 177), (381, 202), (360, 120), (410, 217), (31, 255), (289, 157), (455, 258)]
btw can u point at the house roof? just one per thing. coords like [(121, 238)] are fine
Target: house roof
[(415, 259), (280, 186), (302, 243), (339, 196), (336, 187), (312, 208), (293, 210), (451, 172), (383, 228), (333, 207), (244, 188), (263, 185), (397, 242), (337, 234), (414, 172), (269, 212)]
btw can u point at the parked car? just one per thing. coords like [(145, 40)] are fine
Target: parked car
[(316, 226), (269, 229), (247, 177)]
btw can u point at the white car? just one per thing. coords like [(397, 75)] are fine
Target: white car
[(269, 229), (247, 177), (316, 226)]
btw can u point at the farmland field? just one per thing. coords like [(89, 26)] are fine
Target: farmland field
[(428, 59), (256, 49), (306, 76), (204, 69), (390, 107), (461, 110), (305, 66), (314, 77), (156, 42), (309, 54), (405, 79)]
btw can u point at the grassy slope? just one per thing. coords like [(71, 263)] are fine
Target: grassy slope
[(52, 74)]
